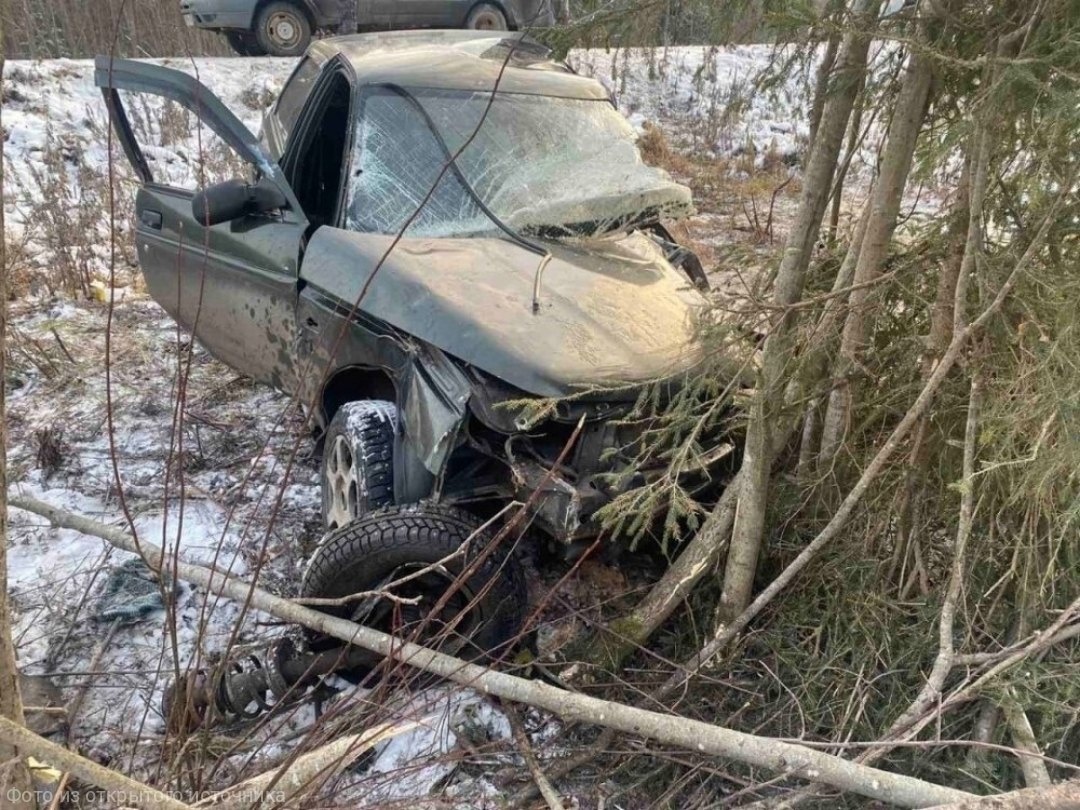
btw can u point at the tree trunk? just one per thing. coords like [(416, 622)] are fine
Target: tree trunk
[(937, 341), (824, 71), (749, 526), (911, 108), (854, 139), (14, 777), (816, 366), (961, 335)]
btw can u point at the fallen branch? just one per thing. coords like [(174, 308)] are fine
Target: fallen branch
[(611, 645), (1065, 796), (277, 787), (930, 694), (1035, 773), (124, 790), (693, 735), (543, 784)]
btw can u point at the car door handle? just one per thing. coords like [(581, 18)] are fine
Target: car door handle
[(151, 219), (311, 323)]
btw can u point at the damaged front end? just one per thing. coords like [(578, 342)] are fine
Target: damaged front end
[(563, 459)]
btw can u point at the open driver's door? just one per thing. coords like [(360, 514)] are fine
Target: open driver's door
[(234, 284)]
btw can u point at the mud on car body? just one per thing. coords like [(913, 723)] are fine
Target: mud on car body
[(424, 257), (285, 27)]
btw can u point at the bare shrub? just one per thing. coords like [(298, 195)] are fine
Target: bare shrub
[(654, 146)]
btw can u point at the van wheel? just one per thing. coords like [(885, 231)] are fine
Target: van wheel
[(244, 43), (418, 553), (283, 29), (486, 17), (358, 461)]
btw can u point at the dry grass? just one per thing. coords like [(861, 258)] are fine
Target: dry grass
[(744, 202), (45, 29)]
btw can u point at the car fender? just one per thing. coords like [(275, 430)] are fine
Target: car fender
[(227, 14)]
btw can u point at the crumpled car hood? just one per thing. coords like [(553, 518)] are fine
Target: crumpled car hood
[(611, 311)]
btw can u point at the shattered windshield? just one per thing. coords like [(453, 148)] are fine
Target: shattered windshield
[(541, 165)]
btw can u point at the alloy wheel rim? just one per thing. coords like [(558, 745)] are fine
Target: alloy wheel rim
[(342, 488)]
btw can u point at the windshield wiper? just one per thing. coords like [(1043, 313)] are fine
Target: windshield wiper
[(448, 156)]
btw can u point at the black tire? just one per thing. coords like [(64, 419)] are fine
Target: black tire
[(282, 28), (487, 17), (357, 472), (244, 43), (487, 608)]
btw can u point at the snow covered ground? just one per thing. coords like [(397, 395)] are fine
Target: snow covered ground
[(230, 446)]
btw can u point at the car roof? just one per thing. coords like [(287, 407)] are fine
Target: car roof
[(457, 60)]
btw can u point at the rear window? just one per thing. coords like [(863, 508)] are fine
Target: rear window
[(296, 93)]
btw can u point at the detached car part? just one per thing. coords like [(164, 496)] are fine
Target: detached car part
[(425, 573)]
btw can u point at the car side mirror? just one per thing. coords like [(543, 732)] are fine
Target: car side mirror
[(224, 202)]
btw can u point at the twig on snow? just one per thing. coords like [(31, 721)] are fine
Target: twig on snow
[(521, 737)]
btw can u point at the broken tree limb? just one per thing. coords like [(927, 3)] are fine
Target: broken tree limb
[(123, 790), (277, 787), (1065, 796), (945, 659), (1024, 740), (521, 737), (693, 735), (610, 646)]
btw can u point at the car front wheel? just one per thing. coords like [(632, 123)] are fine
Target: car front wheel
[(283, 29), (424, 572), (358, 461)]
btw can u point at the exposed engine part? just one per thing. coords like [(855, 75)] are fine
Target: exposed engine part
[(245, 688), (562, 507)]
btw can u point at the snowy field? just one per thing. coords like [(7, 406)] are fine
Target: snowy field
[(203, 480)]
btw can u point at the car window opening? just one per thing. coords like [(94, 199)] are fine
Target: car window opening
[(317, 170)]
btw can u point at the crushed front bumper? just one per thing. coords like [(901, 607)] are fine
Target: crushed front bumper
[(564, 504)]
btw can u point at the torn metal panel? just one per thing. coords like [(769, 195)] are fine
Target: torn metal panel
[(556, 503), (433, 406)]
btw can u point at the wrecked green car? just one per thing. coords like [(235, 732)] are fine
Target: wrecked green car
[(439, 228)]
